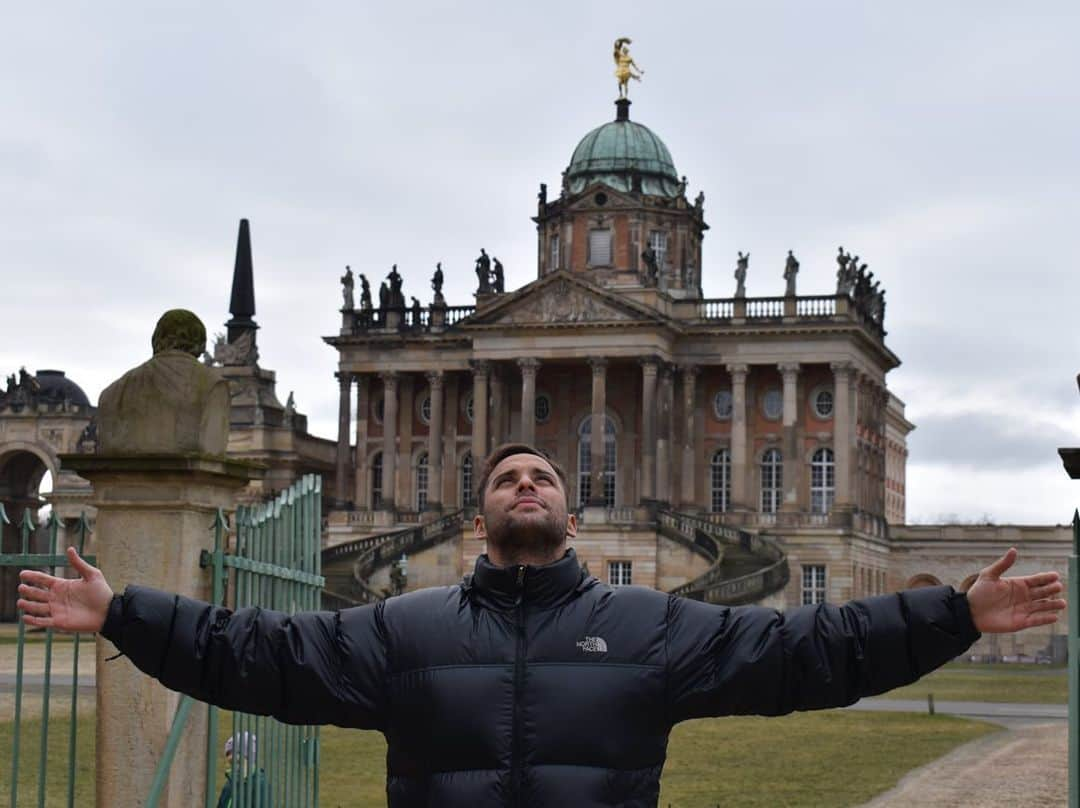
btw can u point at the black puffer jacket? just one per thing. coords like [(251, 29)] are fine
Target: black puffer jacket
[(535, 686)]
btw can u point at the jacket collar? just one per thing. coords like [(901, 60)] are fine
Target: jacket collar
[(538, 586)]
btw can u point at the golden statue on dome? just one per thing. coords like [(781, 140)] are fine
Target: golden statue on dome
[(625, 68)]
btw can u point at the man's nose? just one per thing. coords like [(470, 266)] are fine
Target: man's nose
[(526, 481)]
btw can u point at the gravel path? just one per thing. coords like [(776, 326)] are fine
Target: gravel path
[(1018, 767)]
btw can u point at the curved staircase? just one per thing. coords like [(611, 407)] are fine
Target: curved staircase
[(348, 567), (746, 567)]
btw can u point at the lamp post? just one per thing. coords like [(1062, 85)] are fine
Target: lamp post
[(1071, 459)]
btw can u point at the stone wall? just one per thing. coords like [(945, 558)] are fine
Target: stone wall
[(954, 554)]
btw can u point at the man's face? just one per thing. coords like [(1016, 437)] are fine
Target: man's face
[(525, 507)]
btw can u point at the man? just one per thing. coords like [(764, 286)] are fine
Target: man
[(532, 683)]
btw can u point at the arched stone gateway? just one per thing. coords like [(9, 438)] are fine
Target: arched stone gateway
[(41, 417), (22, 470)]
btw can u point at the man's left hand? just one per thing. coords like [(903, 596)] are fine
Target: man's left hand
[(1000, 605)]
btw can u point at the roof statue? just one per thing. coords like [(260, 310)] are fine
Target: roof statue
[(740, 274), (625, 68), (347, 285), (791, 269)]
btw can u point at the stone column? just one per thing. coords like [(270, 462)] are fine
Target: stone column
[(843, 429), (435, 441), (792, 455), (596, 442), (341, 487), (740, 466), (158, 478), (480, 370), (389, 453), (688, 494), (452, 406), (498, 406), (649, 369), (362, 489), (663, 435), (529, 367)]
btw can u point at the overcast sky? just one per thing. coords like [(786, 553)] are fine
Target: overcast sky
[(936, 140)]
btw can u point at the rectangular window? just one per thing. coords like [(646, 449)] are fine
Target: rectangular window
[(822, 485), (466, 480), (772, 481), (584, 474), (619, 573), (600, 248), (609, 474), (720, 470), (658, 242), (421, 483), (554, 263), (813, 584), (376, 482)]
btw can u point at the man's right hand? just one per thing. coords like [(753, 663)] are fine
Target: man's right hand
[(69, 604)]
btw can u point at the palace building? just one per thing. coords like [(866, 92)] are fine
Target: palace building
[(737, 450)]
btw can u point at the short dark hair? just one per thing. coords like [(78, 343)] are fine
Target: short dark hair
[(500, 453)]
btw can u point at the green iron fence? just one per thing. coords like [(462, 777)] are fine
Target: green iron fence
[(52, 562), (275, 565)]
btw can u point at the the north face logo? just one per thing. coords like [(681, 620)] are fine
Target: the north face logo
[(592, 645)]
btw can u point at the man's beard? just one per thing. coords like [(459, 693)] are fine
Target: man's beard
[(516, 537)]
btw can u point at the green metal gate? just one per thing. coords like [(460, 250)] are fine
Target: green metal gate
[(19, 769), (275, 565)]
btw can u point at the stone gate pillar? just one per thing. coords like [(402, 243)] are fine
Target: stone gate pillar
[(159, 476)]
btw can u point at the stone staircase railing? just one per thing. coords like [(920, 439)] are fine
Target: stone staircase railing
[(711, 541), (716, 542), (368, 555)]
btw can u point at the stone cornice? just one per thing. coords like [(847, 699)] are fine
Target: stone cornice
[(227, 470)]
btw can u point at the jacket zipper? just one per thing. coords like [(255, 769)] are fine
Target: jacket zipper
[(516, 767)]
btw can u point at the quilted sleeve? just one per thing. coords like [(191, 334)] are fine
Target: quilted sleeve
[(753, 660), (306, 668)]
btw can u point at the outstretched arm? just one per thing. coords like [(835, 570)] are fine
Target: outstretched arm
[(307, 668), (745, 660)]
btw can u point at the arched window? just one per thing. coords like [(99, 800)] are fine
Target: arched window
[(720, 478), (822, 481), (376, 482), (466, 479), (772, 480), (921, 580), (421, 482), (585, 461)]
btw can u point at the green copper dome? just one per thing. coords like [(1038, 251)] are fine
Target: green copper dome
[(617, 152)]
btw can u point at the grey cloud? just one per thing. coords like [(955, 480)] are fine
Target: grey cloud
[(935, 140), (986, 441)]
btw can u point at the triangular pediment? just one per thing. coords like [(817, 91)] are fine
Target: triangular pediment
[(564, 299)]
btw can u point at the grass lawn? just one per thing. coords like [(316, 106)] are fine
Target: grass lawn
[(1034, 684), (834, 758)]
